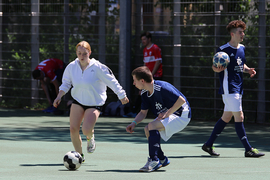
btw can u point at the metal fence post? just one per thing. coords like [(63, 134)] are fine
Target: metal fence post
[(34, 47), (217, 44), (177, 44), (66, 31), (125, 45), (138, 29), (102, 32), (261, 63), (1, 41)]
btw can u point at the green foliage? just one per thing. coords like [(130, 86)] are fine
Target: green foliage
[(197, 21), (82, 25), (198, 48), (38, 106)]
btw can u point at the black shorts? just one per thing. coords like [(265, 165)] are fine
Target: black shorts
[(100, 108)]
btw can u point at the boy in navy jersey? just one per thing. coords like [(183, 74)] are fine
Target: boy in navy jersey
[(171, 109), (231, 88)]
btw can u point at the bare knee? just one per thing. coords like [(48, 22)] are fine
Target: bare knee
[(74, 130), (150, 126), (238, 116), (146, 129), (87, 131)]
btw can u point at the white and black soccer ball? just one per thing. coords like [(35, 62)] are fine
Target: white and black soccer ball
[(221, 59), (72, 160)]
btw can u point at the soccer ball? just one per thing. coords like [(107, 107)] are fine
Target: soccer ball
[(221, 59), (72, 160)]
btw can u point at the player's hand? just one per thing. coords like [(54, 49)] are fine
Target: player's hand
[(218, 69), (161, 116), (56, 102), (252, 72), (125, 100), (130, 128)]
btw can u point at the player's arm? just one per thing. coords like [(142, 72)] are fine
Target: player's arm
[(45, 89), (64, 88), (56, 85), (140, 116), (58, 98), (251, 71), (155, 69), (180, 101), (106, 75)]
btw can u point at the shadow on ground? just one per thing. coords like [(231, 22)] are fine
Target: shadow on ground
[(56, 128)]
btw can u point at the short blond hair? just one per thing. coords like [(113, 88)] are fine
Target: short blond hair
[(84, 44)]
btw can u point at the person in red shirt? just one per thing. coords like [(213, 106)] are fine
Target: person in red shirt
[(152, 59), (152, 56), (50, 72)]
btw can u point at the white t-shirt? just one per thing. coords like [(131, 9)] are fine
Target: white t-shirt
[(89, 86)]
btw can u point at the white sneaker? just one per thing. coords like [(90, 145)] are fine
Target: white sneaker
[(151, 166), (91, 144)]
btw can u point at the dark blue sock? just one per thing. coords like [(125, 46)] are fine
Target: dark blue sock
[(220, 125), (161, 154), (154, 144), (240, 130)]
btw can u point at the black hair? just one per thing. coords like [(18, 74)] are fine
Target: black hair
[(36, 73), (147, 35)]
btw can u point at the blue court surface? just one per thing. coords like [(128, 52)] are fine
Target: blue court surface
[(32, 146)]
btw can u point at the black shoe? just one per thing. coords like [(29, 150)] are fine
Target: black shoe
[(209, 150), (253, 153)]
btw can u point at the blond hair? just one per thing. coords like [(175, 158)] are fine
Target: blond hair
[(84, 44)]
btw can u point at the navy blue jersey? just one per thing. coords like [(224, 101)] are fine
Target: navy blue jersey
[(231, 79), (163, 98)]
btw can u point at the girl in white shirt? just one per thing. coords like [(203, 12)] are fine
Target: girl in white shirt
[(89, 80)]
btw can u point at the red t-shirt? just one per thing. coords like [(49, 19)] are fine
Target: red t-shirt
[(151, 55), (49, 66)]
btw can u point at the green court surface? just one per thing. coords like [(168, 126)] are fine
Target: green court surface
[(32, 146)]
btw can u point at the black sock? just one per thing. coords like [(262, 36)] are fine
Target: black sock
[(154, 144), (240, 130), (220, 125)]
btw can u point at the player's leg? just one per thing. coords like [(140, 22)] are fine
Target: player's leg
[(153, 136), (235, 101), (219, 126), (167, 127), (76, 117), (90, 118), (146, 131), (160, 154), (241, 132)]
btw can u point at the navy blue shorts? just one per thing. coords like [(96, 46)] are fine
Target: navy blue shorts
[(100, 108)]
